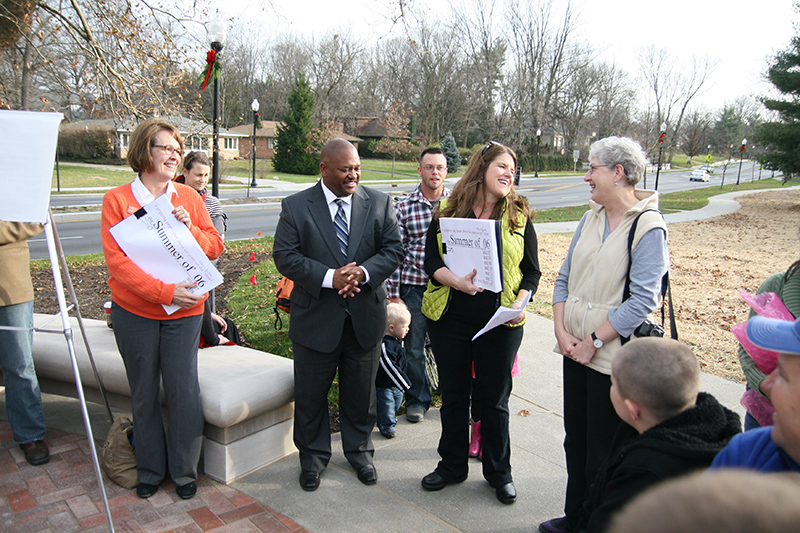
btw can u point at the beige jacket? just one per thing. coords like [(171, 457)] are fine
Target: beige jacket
[(598, 270), (15, 271)]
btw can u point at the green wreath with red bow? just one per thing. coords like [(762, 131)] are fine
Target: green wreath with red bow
[(212, 70)]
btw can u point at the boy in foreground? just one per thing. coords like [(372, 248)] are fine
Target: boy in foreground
[(670, 428)]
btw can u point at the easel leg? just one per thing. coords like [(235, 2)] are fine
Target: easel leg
[(62, 306)]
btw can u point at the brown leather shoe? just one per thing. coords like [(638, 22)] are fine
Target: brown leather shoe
[(36, 452)]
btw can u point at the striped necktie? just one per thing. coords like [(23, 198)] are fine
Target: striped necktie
[(340, 222)]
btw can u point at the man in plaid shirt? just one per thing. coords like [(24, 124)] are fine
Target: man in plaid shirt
[(407, 284)]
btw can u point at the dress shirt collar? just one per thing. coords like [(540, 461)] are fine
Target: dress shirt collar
[(144, 196), (330, 197)]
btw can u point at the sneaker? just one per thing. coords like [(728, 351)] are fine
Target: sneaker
[(555, 525), (415, 414), (389, 434)]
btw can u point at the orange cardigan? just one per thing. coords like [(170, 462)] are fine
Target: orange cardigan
[(133, 289)]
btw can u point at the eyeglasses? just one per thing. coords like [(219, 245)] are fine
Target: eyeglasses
[(592, 168), (168, 150), (431, 168), (486, 148)]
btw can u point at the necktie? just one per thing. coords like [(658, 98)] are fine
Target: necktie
[(340, 222)]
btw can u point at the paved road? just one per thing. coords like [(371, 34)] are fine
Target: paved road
[(80, 233)]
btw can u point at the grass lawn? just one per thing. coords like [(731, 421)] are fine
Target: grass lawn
[(77, 175), (669, 203)]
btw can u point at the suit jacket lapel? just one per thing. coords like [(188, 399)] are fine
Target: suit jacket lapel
[(359, 214), (321, 215)]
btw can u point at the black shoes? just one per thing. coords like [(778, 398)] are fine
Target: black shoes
[(507, 494), (187, 491), (434, 481), (367, 475), (36, 452), (145, 490), (555, 525), (309, 480)]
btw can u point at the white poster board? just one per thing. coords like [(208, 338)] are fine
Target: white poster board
[(27, 151), (471, 243), (164, 247)]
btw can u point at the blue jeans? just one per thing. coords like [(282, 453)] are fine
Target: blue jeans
[(419, 395), (23, 399), (389, 400)]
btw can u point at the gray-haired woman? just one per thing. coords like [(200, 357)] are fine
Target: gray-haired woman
[(590, 314)]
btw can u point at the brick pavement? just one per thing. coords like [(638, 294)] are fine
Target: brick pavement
[(63, 496)]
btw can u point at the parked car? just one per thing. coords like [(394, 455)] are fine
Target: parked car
[(707, 168), (699, 175)]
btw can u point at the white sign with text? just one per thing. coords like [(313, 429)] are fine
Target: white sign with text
[(471, 243), (164, 247)]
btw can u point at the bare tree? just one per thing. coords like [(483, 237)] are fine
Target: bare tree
[(135, 63), (335, 74), (695, 137), (540, 41), (672, 85), (476, 25)]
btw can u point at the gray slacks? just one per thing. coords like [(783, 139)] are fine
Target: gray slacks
[(156, 351)]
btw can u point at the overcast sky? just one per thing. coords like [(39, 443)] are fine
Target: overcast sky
[(741, 35)]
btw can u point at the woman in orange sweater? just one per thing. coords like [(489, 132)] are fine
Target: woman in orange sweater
[(155, 347)]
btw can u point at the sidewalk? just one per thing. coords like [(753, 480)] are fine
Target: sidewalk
[(63, 495)]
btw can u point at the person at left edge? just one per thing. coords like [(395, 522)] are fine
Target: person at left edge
[(23, 399), (338, 307), (158, 348)]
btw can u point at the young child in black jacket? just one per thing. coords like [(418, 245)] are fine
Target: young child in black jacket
[(669, 429), (391, 381)]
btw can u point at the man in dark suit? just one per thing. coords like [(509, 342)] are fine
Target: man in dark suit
[(338, 242)]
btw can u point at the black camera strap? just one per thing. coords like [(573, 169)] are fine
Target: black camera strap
[(666, 289)]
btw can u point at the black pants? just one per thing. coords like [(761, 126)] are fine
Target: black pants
[(493, 354), (313, 374), (590, 423)]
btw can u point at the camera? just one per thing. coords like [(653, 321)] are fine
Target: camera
[(649, 329)]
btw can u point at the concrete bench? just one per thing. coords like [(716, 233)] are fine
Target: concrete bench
[(247, 395)]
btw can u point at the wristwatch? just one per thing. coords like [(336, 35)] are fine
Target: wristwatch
[(598, 343)]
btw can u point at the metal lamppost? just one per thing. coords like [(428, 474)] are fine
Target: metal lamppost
[(254, 106), (538, 140), (741, 158), (660, 149), (216, 35)]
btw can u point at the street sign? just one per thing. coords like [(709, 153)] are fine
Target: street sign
[(576, 154)]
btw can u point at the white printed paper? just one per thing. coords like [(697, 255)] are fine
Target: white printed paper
[(471, 243), (27, 150), (503, 315), (164, 247)]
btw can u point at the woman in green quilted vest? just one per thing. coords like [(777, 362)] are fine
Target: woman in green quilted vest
[(457, 309)]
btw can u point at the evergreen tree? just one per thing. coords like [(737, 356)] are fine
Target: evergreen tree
[(294, 151), (451, 152), (781, 138)]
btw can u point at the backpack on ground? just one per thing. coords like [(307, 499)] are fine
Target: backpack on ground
[(285, 286)]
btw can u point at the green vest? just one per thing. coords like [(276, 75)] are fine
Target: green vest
[(437, 297)]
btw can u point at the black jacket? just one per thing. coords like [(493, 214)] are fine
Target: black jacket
[(392, 367), (686, 442)]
